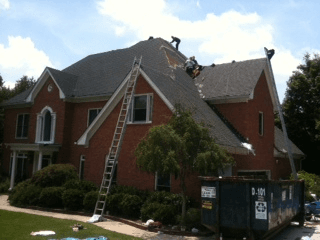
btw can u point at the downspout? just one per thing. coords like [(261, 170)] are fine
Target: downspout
[(284, 129)]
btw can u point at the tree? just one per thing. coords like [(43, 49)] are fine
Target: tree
[(301, 108), (180, 147), (23, 84)]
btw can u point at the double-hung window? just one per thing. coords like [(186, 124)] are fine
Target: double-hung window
[(22, 126), (141, 109), (93, 113)]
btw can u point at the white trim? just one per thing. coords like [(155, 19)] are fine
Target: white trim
[(157, 90), (40, 83), (41, 125), (104, 113), (112, 103), (13, 170)]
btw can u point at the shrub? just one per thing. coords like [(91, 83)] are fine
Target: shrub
[(25, 194), (193, 218), (130, 205), (54, 175), (167, 199), (113, 203), (52, 197), (159, 212), (129, 190), (4, 186), (82, 185), (89, 201), (73, 199)]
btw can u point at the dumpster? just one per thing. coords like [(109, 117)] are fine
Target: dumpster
[(234, 207)]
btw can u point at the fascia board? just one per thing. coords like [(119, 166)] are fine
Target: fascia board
[(158, 91), (104, 113), (272, 87), (233, 99), (32, 147), (40, 83)]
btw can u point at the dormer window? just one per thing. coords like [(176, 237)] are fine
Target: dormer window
[(141, 109), (46, 124)]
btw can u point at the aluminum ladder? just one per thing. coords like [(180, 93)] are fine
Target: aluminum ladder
[(112, 157)]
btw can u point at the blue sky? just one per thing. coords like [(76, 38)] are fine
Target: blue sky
[(36, 34)]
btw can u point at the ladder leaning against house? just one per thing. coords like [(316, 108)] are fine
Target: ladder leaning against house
[(112, 157)]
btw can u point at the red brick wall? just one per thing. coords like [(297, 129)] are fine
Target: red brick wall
[(245, 118)]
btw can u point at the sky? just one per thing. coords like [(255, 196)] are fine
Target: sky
[(57, 33)]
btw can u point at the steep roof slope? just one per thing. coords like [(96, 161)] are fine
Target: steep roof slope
[(281, 146), (236, 79), (101, 74)]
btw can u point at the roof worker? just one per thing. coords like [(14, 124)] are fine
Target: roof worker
[(177, 40), (189, 65)]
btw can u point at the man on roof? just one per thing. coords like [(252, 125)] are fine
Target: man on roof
[(177, 40)]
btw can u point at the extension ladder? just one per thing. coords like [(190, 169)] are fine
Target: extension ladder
[(112, 157)]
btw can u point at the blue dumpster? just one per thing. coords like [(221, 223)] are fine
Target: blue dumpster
[(235, 207)]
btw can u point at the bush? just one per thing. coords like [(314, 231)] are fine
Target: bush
[(193, 218), (73, 199), (52, 197), (89, 201), (130, 205), (25, 194), (159, 212), (82, 185), (129, 190), (4, 186), (54, 175), (168, 199), (113, 203)]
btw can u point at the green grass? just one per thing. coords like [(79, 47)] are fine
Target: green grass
[(16, 226)]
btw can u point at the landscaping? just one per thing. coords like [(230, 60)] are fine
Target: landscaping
[(18, 226), (58, 187)]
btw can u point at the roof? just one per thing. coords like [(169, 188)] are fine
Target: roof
[(231, 80), (102, 74), (280, 145)]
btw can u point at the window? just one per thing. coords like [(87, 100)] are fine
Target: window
[(141, 109), (46, 124), (22, 126), (81, 167), (261, 123), (46, 161), (163, 182), (93, 113)]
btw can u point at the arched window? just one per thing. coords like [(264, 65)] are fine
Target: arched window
[(46, 124)]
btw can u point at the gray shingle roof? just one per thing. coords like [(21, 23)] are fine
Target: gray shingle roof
[(235, 79), (101, 74), (280, 144)]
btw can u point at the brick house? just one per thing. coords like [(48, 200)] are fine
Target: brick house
[(70, 116)]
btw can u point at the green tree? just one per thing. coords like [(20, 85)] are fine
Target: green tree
[(301, 108), (180, 147), (23, 84)]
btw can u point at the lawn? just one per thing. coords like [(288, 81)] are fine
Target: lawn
[(15, 225)]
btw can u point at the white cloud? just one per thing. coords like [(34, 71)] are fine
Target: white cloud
[(215, 38), (4, 4), (21, 57), (198, 4)]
